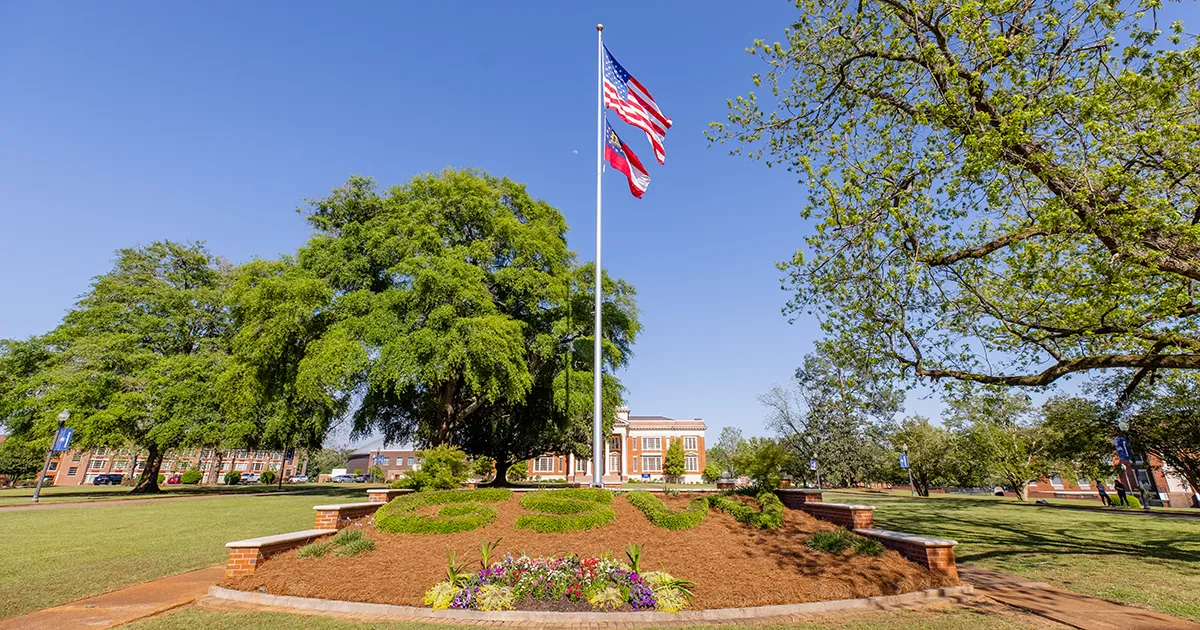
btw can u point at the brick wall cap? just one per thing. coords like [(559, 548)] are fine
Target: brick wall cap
[(380, 490), (800, 490), (913, 539), (267, 541), (839, 506), (345, 506)]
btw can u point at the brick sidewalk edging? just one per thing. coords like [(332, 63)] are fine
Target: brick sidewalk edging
[(414, 613)]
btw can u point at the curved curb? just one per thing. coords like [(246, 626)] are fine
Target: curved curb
[(414, 613)]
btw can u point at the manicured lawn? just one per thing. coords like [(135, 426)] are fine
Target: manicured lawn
[(938, 619), (72, 494), (1139, 560), (54, 556)]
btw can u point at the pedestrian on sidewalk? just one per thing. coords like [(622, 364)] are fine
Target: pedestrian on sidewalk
[(1104, 498), (1121, 490)]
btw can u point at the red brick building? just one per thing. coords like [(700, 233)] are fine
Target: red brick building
[(1160, 481), (80, 467), (636, 448), (394, 462)]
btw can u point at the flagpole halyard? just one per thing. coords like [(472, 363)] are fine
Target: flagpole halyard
[(597, 362)]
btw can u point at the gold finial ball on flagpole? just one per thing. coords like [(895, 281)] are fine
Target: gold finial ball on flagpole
[(599, 27)]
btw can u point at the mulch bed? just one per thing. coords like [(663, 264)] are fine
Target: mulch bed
[(731, 564)]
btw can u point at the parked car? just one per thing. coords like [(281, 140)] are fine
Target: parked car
[(343, 479), (173, 479), (108, 479), (360, 478), (298, 479), (248, 477)]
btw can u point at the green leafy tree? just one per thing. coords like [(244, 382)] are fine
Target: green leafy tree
[(483, 467), (673, 462), (19, 460), (443, 467), (712, 472), (324, 460), (267, 477), (722, 453), (137, 361), (929, 451), (453, 305), (1080, 431), (763, 460), (1003, 193), (998, 430)]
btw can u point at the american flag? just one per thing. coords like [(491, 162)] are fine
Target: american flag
[(622, 158), (633, 103)]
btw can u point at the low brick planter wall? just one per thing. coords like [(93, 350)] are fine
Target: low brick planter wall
[(245, 555), (848, 516), (794, 498), (937, 554), (338, 516), (383, 495)]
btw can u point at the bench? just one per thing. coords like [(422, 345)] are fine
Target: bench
[(936, 554), (338, 516), (848, 516), (383, 495), (795, 498), (246, 555)]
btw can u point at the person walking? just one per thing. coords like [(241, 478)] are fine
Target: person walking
[(1121, 490), (1104, 498)]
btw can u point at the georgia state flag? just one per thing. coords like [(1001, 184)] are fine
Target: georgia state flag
[(617, 153)]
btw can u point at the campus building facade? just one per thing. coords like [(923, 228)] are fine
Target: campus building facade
[(636, 449), (79, 467), (395, 463)]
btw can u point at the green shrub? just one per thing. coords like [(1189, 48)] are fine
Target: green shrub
[(566, 510), (267, 477), (161, 478), (769, 516), (868, 547), (315, 550), (400, 515), (659, 514), (442, 468), (347, 536), (191, 476), (233, 478), (354, 548)]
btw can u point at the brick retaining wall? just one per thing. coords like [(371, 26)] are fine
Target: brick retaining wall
[(848, 516), (936, 554), (245, 555), (794, 498), (338, 516), (383, 495)]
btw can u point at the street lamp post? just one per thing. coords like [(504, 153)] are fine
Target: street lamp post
[(62, 421), (912, 490)]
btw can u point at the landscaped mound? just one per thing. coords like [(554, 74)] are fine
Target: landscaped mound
[(731, 564)]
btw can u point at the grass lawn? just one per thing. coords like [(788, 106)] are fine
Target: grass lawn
[(938, 619), (73, 494), (1140, 560), (55, 556)]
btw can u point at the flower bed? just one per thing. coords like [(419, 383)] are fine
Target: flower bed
[(565, 583)]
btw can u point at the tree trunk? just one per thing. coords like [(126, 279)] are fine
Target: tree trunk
[(1019, 488), (149, 481), (502, 466)]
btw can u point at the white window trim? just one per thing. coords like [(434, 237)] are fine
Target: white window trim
[(656, 441), (543, 464), (691, 462), (651, 463), (691, 443)]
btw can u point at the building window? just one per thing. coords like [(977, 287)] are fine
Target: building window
[(385, 461), (240, 466), (75, 457), (97, 464), (691, 463), (410, 461), (651, 463), (690, 443), (614, 444), (614, 463), (257, 466), (121, 463), (53, 465), (543, 464), (72, 470), (101, 451), (635, 463), (204, 465), (1056, 480), (651, 444), (141, 464)]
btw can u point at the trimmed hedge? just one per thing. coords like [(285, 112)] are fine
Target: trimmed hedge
[(770, 516), (567, 510), (659, 514), (464, 510)]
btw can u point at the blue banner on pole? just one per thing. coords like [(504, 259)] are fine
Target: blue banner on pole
[(379, 460), (812, 464), (289, 454), (62, 441), (1122, 446), (903, 460)]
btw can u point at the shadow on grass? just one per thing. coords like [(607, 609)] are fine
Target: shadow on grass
[(87, 493)]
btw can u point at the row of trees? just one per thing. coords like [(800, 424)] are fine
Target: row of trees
[(448, 310)]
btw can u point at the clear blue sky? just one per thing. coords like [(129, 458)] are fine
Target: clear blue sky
[(124, 123)]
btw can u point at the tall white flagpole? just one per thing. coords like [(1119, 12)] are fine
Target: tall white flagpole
[(597, 363)]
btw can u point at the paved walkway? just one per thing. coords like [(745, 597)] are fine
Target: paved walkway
[(123, 606), (1063, 606)]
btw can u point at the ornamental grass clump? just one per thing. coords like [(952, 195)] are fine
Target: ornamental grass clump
[(840, 540), (600, 583), (348, 542)]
